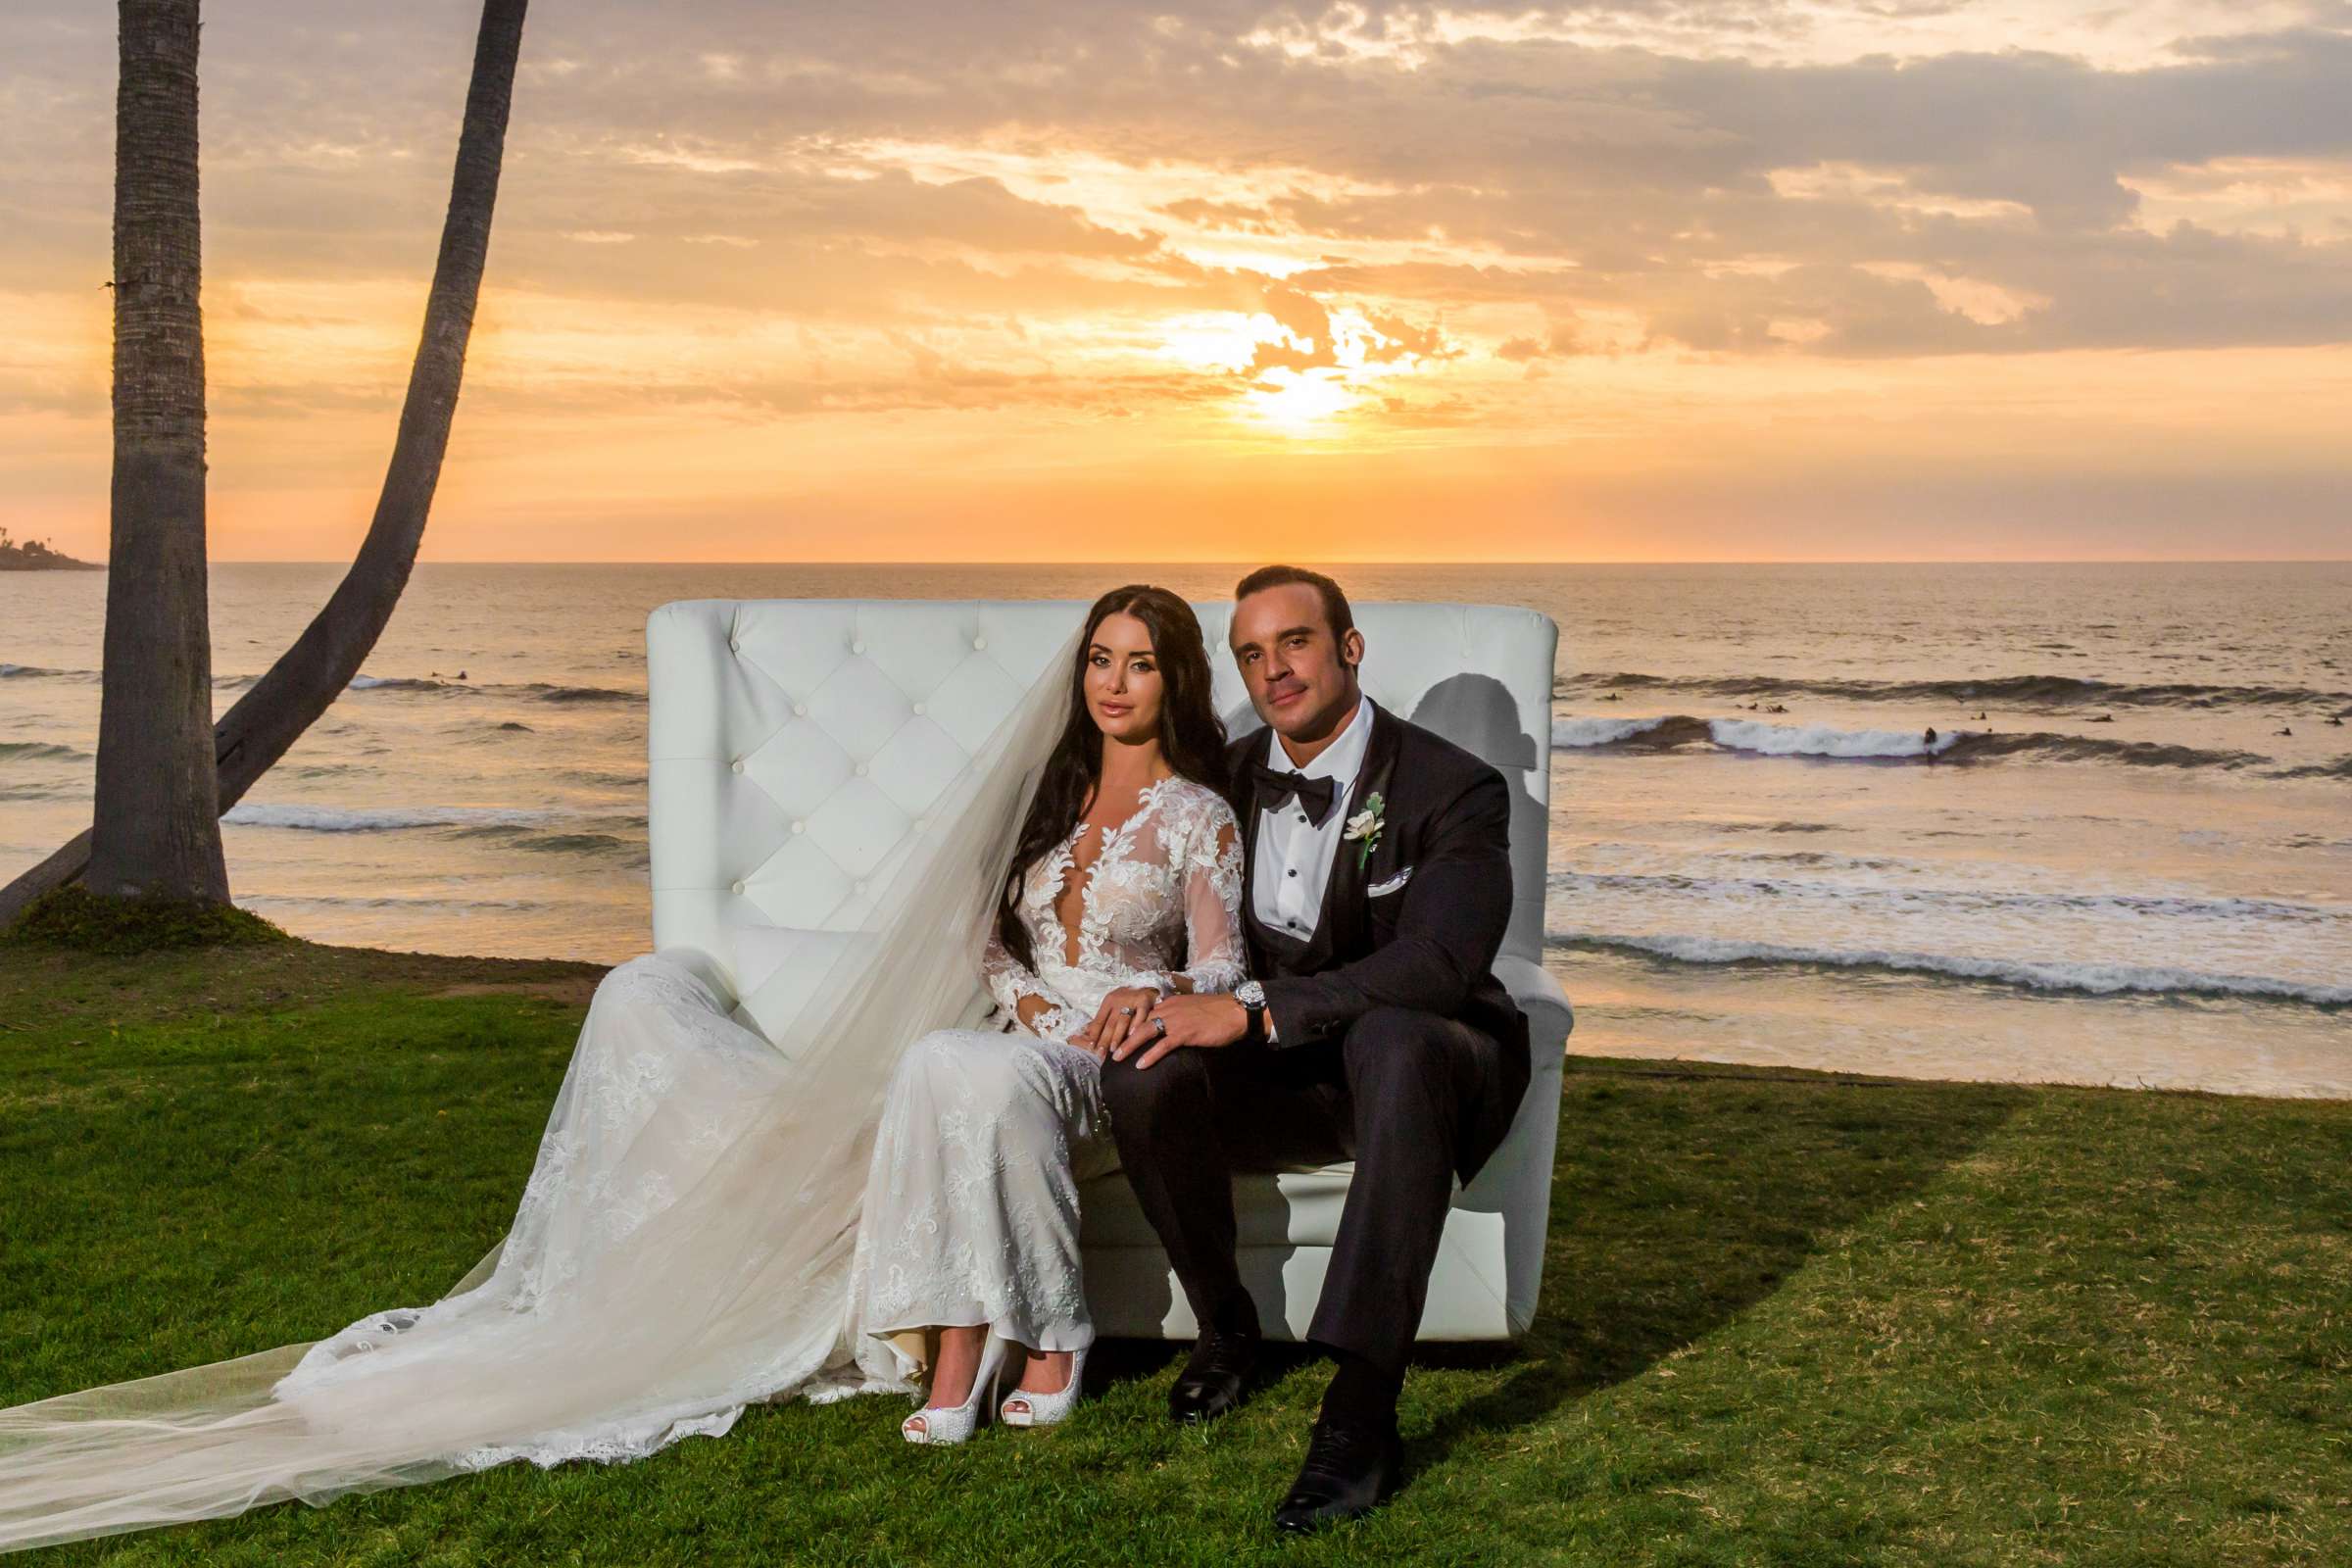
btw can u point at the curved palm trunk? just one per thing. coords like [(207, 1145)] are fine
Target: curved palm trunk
[(312, 673), (154, 822)]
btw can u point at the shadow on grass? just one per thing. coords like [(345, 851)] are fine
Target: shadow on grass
[(1680, 1199)]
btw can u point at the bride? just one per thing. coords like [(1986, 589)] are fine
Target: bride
[(1128, 858), (718, 1216)]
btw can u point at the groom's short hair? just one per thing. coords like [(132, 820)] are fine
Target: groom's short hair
[(1335, 599)]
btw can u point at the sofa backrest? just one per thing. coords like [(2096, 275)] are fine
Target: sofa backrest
[(794, 745)]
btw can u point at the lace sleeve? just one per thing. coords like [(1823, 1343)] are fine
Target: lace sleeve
[(1212, 904), (1009, 980)]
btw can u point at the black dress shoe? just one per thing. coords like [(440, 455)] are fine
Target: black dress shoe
[(1350, 1469), (1214, 1375)]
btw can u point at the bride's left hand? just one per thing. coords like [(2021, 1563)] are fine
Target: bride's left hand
[(1121, 1014)]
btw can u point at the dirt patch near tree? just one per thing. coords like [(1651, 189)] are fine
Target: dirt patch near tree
[(573, 991)]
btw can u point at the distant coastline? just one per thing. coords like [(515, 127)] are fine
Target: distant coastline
[(34, 554)]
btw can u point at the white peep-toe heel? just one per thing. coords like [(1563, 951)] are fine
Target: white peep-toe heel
[(1021, 1408), (954, 1423)]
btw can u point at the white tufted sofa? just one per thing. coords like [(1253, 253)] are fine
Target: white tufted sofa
[(794, 744)]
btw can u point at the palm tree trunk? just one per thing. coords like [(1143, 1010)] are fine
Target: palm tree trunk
[(154, 823), (312, 673)]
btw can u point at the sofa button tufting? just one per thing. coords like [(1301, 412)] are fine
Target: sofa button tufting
[(739, 887), (738, 767), (860, 770), (857, 648), (799, 709), (918, 710), (979, 642), (735, 645), (797, 826)]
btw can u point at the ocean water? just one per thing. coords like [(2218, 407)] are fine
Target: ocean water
[(2125, 856)]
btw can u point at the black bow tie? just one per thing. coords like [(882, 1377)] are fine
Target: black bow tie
[(1275, 785)]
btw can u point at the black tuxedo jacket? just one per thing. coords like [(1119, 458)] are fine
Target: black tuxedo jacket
[(1428, 937)]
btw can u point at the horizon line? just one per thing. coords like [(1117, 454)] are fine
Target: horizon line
[(1132, 560)]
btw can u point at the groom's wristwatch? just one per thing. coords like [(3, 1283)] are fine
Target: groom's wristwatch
[(1253, 997)]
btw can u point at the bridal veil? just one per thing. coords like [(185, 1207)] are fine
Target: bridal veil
[(682, 1248)]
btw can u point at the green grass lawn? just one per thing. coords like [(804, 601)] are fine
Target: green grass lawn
[(1787, 1318)]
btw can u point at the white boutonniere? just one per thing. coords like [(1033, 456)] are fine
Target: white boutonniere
[(1364, 828)]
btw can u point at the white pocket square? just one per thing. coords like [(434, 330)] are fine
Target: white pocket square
[(1379, 889)]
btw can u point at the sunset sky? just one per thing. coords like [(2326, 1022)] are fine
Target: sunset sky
[(1081, 279)]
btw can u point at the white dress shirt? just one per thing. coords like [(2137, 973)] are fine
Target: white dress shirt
[(1295, 858)]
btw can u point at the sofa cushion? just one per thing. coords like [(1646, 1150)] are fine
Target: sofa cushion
[(1296, 1209)]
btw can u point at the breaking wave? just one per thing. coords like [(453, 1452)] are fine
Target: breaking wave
[(2089, 979), (380, 819), (579, 835), (1577, 732), (1675, 731), (579, 694), (534, 691), (2342, 767), (2013, 691)]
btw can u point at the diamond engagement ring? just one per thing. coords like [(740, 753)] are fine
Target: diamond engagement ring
[(1126, 1012), (1160, 1026)]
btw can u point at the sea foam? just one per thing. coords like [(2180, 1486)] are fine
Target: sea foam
[(1665, 731), (1822, 740)]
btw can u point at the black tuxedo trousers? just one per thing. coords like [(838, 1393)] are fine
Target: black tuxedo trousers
[(1397, 1094)]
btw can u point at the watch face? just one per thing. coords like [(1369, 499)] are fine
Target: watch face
[(1250, 993)]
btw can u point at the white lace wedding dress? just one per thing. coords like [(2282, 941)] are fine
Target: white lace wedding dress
[(685, 1244), (971, 1203)]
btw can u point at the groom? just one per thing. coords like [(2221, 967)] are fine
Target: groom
[(1378, 885)]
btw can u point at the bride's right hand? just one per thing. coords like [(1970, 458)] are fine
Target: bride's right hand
[(1124, 1011)]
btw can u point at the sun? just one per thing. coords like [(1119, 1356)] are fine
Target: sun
[(1298, 380), (1301, 403)]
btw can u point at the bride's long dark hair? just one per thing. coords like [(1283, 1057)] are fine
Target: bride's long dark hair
[(1191, 737)]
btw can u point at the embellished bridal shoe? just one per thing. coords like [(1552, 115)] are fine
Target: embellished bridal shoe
[(1022, 1409), (952, 1423)]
